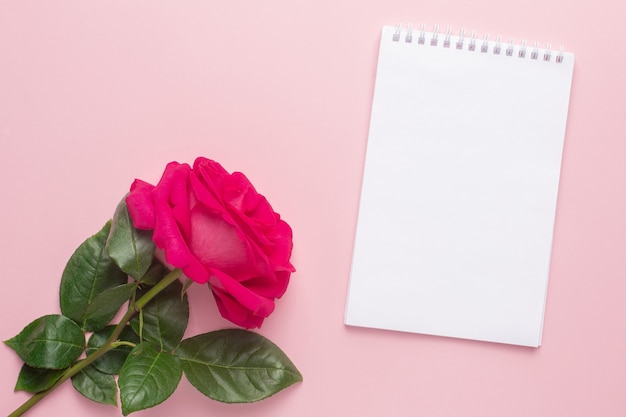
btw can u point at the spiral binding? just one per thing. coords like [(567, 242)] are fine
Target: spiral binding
[(471, 44)]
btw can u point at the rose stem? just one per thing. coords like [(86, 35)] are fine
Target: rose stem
[(108, 345)]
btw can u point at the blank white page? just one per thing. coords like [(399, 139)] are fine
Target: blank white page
[(459, 189)]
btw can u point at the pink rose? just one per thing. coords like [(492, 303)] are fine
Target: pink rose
[(218, 230)]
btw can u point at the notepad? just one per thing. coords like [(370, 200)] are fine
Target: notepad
[(460, 184)]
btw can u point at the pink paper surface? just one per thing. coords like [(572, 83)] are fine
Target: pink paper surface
[(95, 94)]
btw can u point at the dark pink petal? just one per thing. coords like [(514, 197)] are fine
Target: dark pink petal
[(179, 201), (238, 192), (282, 244), (218, 244), (231, 310), (269, 288), (168, 237), (250, 227), (211, 174), (172, 177), (204, 194), (275, 253), (170, 203), (140, 205), (261, 211), (256, 304)]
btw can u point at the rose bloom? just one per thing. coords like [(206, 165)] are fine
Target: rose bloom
[(216, 228)]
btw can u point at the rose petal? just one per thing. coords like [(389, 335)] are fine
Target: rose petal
[(255, 303), (231, 310), (212, 174), (168, 237), (238, 192), (204, 193), (179, 201), (219, 244), (140, 205), (169, 221), (270, 288)]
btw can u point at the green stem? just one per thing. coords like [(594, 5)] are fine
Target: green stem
[(123, 343), (110, 343)]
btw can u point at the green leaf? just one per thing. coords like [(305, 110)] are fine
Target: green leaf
[(148, 378), (130, 248), (156, 272), (187, 284), (112, 361), (51, 341), (96, 386), (236, 366), (37, 379), (105, 306), (88, 273), (165, 318)]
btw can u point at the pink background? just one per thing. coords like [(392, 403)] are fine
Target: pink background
[(94, 94)]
